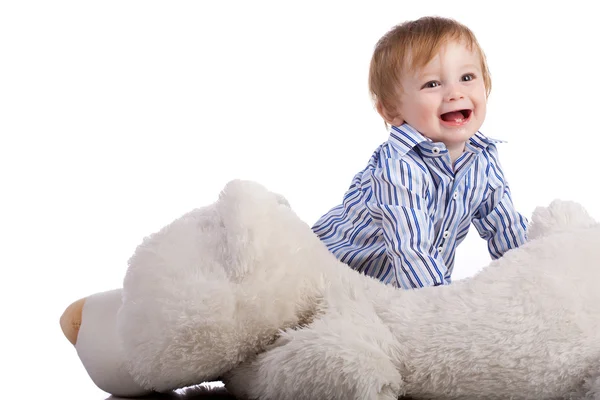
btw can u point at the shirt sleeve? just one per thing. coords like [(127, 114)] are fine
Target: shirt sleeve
[(399, 206), (496, 219)]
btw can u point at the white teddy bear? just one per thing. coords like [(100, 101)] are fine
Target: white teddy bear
[(243, 291)]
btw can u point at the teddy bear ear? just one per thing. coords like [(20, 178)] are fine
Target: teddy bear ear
[(244, 204), (249, 192), (559, 216)]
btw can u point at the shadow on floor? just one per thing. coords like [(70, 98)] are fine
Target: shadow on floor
[(196, 393), (191, 393)]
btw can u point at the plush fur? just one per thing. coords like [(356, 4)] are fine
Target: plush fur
[(243, 291)]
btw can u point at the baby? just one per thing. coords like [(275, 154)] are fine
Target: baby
[(405, 213)]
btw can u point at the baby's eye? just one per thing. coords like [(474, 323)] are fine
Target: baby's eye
[(431, 84), (467, 77)]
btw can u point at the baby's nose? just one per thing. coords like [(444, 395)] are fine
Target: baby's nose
[(454, 95)]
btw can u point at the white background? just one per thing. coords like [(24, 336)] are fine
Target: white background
[(118, 116)]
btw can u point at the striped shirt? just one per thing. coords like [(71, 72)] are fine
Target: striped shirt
[(404, 214)]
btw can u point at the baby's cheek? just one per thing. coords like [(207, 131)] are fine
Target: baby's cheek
[(427, 115), (479, 96), (481, 108)]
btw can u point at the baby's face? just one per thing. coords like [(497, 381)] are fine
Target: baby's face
[(446, 99)]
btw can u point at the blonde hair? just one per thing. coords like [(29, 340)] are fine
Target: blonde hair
[(413, 44)]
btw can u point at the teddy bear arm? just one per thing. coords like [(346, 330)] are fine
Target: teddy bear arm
[(322, 360)]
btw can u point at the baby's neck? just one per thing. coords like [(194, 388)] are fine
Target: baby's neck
[(455, 151)]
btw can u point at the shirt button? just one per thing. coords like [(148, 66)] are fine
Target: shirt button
[(436, 150), (440, 249), (446, 234), (455, 195)]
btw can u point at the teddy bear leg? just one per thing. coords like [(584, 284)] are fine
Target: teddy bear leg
[(325, 360), (592, 386), (90, 325)]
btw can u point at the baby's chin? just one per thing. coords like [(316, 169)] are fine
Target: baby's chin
[(464, 132), (456, 136)]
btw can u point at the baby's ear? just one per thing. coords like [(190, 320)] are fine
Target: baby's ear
[(389, 116)]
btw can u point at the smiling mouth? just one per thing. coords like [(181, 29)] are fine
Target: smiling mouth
[(456, 118)]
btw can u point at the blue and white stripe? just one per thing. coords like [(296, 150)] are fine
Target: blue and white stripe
[(404, 214)]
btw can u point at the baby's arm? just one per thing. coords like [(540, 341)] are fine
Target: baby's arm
[(500, 223), (400, 208), (496, 219)]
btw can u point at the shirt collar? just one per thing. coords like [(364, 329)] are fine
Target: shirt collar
[(479, 141), (404, 138)]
